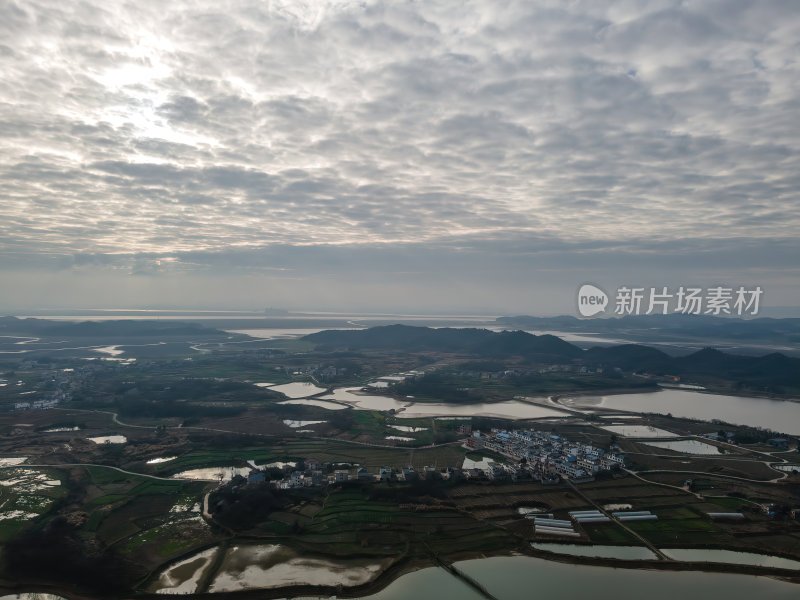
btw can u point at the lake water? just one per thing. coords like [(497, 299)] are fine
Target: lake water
[(619, 417), (298, 389), (639, 431), (408, 429), (511, 409), (688, 447), (524, 578), (156, 461), (618, 552), (270, 566), (777, 415), (182, 577), (281, 334), (315, 402), (731, 557), (364, 402), (110, 350), (213, 473), (278, 464)]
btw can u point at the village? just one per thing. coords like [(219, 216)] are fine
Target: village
[(536, 456), (548, 454)]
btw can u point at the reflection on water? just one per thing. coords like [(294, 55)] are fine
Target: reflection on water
[(618, 552), (639, 431), (513, 578), (156, 461), (511, 409), (270, 566), (298, 389), (278, 334), (110, 350), (182, 577), (524, 578), (213, 473), (364, 402), (408, 429), (688, 446), (433, 583), (317, 403), (776, 415), (731, 557), (619, 417)]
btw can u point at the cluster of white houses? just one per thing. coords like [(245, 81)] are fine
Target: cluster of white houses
[(549, 452), (315, 473)]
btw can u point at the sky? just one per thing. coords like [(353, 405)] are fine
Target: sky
[(463, 156)]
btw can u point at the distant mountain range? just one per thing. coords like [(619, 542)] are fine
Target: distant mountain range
[(773, 372), (100, 329), (671, 326)]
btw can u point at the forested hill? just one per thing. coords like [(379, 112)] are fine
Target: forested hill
[(772, 372), (464, 341)]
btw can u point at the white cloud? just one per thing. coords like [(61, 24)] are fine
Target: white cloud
[(161, 129)]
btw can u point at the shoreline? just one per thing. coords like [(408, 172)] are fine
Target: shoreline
[(404, 566), (710, 391)]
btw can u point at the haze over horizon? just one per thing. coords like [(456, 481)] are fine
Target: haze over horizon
[(395, 156)]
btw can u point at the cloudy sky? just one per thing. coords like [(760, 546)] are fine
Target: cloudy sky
[(428, 156)]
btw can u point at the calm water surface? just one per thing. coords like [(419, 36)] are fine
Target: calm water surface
[(778, 415), (732, 557), (213, 473), (317, 403), (109, 439), (528, 578), (509, 410), (297, 389), (620, 552), (688, 447), (364, 402), (639, 431), (271, 565)]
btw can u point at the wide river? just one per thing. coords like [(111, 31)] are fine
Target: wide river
[(777, 415)]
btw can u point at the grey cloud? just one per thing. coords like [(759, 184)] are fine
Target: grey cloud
[(156, 129)]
